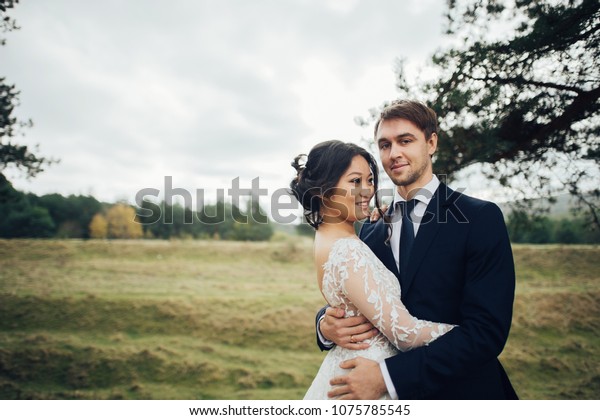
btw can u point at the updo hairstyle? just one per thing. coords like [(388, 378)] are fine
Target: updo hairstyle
[(319, 172)]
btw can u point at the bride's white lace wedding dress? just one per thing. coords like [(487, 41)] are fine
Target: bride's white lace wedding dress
[(357, 281)]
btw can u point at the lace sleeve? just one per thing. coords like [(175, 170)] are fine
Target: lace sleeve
[(376, 293)]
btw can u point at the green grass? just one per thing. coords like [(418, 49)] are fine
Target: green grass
[(219, 320)]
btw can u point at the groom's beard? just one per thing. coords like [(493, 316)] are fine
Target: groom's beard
[(413, 175)]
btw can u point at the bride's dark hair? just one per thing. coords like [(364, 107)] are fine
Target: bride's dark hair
[(319, 172)]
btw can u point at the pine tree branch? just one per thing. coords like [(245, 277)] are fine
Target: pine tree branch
[(519, 81)]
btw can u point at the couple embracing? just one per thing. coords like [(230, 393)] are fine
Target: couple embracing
[(420, 305)]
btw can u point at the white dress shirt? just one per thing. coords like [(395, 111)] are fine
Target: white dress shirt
[(423, 197)]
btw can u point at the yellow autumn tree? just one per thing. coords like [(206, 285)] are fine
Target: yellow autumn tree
[(98, 227), (121, 223)]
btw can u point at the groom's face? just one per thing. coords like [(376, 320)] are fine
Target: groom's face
[(405, 153)]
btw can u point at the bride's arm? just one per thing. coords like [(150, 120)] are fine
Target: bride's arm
[(377, 298)]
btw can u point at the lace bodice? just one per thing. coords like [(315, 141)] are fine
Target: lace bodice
[(355, 280), (358, 282)]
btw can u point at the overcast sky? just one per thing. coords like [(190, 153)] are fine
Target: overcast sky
[(126, 93)]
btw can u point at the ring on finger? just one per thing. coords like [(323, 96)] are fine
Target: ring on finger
[(352, 338)]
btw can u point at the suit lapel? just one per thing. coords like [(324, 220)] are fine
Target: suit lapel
[(428, 229), (376, 238), (386, 252)]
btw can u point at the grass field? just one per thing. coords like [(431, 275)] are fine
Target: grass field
[(219, 320)]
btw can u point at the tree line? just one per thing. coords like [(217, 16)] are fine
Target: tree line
[(530, 228), (26, 215), (541, 229), (213, 221)]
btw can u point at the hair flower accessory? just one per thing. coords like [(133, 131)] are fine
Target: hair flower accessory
[(299, 163)]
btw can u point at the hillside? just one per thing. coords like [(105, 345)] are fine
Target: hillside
[(233, 320)]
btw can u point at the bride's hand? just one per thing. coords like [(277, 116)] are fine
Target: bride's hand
[(375, 216), (346, 332)]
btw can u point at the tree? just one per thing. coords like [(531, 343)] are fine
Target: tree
[(98, 227), (525, 106), (30, 222), (7, 24), (10, 153), (217, 220), (71, 215), (568, 232), (305, 229), (20, 218), (122, 224), (160, 220), (254, 225), (526, 228)]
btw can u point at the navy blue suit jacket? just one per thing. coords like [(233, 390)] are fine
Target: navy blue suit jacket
[(461, 271)]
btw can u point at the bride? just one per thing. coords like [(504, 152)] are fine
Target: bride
[(335, 186)]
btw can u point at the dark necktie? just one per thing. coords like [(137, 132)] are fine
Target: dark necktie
[(407, 235)]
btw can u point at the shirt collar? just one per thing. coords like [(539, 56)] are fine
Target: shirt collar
[(425, 193)]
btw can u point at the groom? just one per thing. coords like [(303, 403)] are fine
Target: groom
[(460, 271)]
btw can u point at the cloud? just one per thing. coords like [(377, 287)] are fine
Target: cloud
[(126, 93)]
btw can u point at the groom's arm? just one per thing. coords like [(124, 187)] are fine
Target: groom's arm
[(322, 342), (485, 315), (333, 328)]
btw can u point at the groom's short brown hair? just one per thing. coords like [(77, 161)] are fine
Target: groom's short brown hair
[(414, 111)]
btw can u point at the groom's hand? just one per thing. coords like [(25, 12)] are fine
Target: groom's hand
[(346, 332), (364, 382)]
